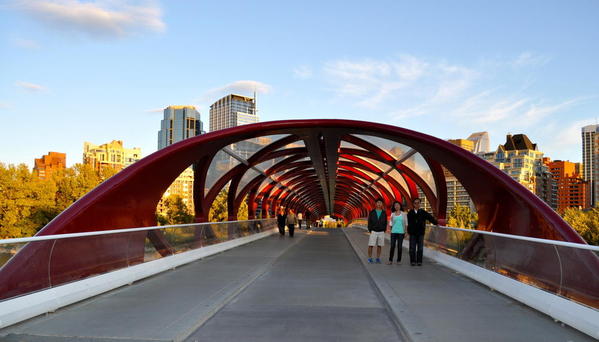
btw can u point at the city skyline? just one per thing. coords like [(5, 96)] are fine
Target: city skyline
[(444, 71)]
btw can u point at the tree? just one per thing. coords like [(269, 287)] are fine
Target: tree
[(462, 217), (176, 212), (243, 212), (585, 222), (74, 182), (26, 203), (219, 209)]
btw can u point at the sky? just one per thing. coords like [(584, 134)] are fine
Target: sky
[(74, 71)]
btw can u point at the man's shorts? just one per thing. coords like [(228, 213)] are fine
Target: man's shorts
[(376, 239)]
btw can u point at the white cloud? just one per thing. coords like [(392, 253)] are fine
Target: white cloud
[(565, 139), (374, 83), (571, 134), (243, 87), (155, 110), (409, 86), (27, 44), (450, 99), (538, 112), (410, 67), (30, 86), (4, 105), (530, 59), (302, 72), (99, 18)]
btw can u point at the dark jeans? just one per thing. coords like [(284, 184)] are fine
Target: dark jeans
[(416, 245), (396, 239), (282, 229), (299, 224), (291, 228)]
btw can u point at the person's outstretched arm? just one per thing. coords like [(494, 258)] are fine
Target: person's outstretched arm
[(431, 219)]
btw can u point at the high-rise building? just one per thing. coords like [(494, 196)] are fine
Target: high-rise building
[(466, 144), (481, 142), (456, 193), (571, 187), (522, 161), (182, 186), (179, 123), (111, 154), (590, 160), (45, 166), (231, 111)]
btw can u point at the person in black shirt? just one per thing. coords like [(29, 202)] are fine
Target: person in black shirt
[(417, 218), (377, 224), (281, 220)]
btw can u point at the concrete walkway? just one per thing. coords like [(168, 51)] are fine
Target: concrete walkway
[(166, 307), (316, 291), (433, 303), (315, 287)]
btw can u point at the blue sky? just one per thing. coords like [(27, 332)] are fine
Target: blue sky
[(74, 71)]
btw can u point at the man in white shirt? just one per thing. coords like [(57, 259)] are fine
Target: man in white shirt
[(300, 217)]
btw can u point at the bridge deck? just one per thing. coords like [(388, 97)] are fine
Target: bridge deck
[(313, 287)]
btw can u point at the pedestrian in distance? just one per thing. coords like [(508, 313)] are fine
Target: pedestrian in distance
[(281, 220), (291, 222), (398, 224), (377, 224), (417, 218), (300, 217)]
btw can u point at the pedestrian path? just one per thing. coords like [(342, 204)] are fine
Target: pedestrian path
[(316, 291), (433, 303), (314, 287), (166, 307)]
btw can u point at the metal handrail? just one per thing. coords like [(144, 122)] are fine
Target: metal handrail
[(106, 232), (524, 238)]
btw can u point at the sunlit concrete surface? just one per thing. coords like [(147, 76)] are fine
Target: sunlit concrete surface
[(314, 287)]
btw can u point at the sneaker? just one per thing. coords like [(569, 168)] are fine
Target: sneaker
[(419, 264), (398, 263), (413, 264), (378, 261), (370, 260)]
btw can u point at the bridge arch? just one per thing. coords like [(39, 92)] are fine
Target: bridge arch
[(334, 167)]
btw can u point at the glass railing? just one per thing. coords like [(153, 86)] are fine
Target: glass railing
[(566, 269), (41, 262)]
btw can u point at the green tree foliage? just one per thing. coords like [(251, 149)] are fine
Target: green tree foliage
[(176, 212), (462, 217), (585, 222), (219, 209), (28, 203), (74, 182), (243, 212)]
